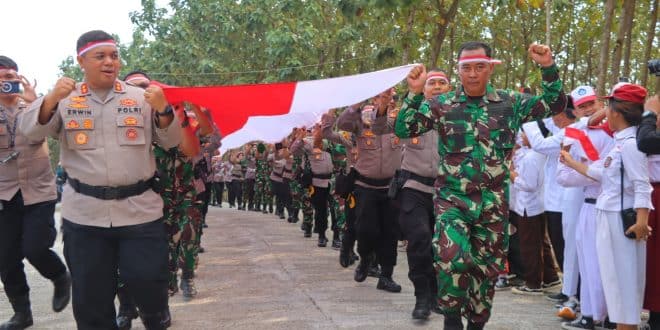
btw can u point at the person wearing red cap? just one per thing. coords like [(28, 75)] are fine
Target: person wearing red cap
[(476, 126), (27, 204), (648, 141), (624, 175)]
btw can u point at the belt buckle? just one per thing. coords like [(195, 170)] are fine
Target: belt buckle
[(110, 193)]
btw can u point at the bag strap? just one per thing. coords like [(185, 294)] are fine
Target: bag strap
[(621, 169)]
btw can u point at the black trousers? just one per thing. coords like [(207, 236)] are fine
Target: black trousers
[(320, 203), (27, 231), (376, 225), (556, 233), (417, 222), (236, 193), (219, 191), (516, 265), (249, 192), (280, 196), (94, 255), (350, 235)]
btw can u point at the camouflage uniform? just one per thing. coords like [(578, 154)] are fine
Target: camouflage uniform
[(476, 138), (301, 198), (182, 213), (264, 194)]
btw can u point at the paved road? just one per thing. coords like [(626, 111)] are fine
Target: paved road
[(260, 273)]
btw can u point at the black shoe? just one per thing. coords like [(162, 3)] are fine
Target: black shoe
[(374, 271), (336, 243), (583, 322), (289, 219), (264, 211), (201, 250), (270, 209), (18, 322), (475, 325), (361, 271), (323, 242), (188, 289), (433, 304), (422, 310), (242, 208), (308, 230), (204, 225), (156, 320), (388, 284), (22, 317), (62, 292), (559, 298), (125, 319), (345, 258), (453, 322), (282, 217)]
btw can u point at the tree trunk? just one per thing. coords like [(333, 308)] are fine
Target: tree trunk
[(605, 47), (441, 30), (628, 46), (548, 16), (405, 57), (650, 36), (452, 40), (628, 7)]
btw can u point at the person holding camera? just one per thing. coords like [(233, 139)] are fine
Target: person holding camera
[(112, 217), (622, 208), (27, 204)]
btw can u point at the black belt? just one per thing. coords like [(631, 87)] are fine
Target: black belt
[(590, 200), (372, 182), (421, 179), (288, 171), (279, 175), (109, 193), (322, 176)]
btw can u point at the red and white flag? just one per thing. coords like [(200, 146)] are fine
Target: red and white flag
[(268, 112)]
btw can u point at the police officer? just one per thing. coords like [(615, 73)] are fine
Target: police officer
[(111, 215), (321, 164), (236, 186), (250, 176), (27, 204), (277, 181), (379, 157), (476, 126), (417, 220)]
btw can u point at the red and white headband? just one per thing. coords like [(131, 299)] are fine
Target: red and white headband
[(477, 58), (93, 44), (437, 76)]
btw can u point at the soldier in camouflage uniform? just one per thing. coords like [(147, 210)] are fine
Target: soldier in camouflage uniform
[(476, 125), (300, 197), (263, 194)]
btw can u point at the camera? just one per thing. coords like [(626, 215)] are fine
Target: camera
[(10, 87), (654, 67), (624, 79)]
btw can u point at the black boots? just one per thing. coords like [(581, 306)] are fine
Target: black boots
[(422, 309), (127, 310), (22, 314), (187, 285), (156, 321), (453, 322), (336, 242), (387, 283), (62, 292), (323, 242)]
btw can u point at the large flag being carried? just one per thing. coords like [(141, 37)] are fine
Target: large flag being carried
[(268, 112)]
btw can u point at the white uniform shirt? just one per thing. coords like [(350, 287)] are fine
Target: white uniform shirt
[(636, 187), (550, 147), (528, 185)]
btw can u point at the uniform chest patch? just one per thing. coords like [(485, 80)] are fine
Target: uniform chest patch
[(130, 121), (81, 138), (72, 124), (131, 134), (608, 162)]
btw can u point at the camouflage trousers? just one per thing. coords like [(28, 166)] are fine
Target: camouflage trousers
[(263, 192), (469, 246), (301, 200), (183, 226), (337, 205)]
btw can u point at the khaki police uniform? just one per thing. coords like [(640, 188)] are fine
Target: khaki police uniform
[(419, 169), (236, 186), (321, 165), (106, 150), (379, 157), (27, 205), (277, 180)]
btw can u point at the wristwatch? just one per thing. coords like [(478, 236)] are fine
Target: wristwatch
[(168, 111)]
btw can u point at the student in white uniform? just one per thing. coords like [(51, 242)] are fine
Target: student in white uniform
[(588, 145), (622, 260)]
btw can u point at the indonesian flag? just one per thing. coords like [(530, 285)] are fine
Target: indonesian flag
[(268, 112)]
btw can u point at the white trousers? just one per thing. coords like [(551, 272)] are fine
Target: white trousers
[(592, 297), (572, 201), (622, 268)]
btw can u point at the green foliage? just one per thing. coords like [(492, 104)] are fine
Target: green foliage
[(207, 42), (54, 150)]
